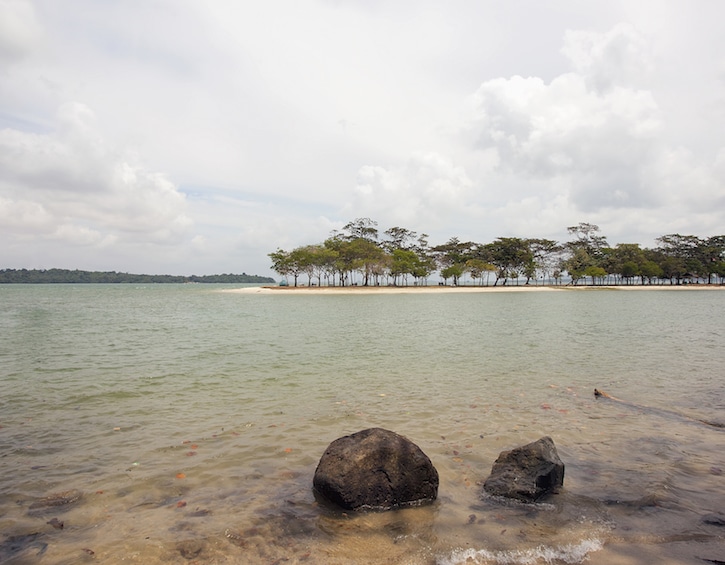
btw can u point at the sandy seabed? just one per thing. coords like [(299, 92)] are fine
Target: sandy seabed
[(618, 548)]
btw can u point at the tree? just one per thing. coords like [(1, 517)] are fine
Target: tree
[(595, 273), (403, 263), (625, 260), (720, 271), (365, 256), (281, 262), (426, 262), (478, 268), (587, 235), (546, 255), (399, 238), (361, 228), (356, 249), (511, 256), (340, 264), (318, 262), (452, 257), (629, 270), (710, 253), (403, 251), (65, 276), (577, 264), (649, 270), (679, 253), (454, 271), (293, 263), (587, 249), (355, 253)]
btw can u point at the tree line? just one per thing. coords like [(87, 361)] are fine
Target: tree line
[(33, 276), (360, 254)]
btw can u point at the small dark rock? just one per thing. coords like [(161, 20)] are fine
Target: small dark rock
[(190, 549), (714, 519), (376, 469), (200, 513), (57, 524), (527, 473)]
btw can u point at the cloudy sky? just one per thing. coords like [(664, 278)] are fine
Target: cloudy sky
[(188, 137)]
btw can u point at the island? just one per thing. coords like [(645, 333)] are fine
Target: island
[(57, 276)]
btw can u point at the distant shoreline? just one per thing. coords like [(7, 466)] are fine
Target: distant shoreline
[(67, 276), (435, 289)]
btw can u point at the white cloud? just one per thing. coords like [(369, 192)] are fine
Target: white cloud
[(620, 56), (20, 32), (68, 185), (76, 235), (590, 144), (595, 140), (425, 193), (211, 133), (24, 218)]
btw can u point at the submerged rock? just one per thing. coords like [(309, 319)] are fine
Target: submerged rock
[(190, 549), (527, 473), (14, 545), (377, 469), (56, 501)]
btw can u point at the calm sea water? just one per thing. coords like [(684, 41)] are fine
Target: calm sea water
[(171, 424)]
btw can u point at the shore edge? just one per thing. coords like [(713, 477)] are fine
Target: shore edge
[(329, 290)]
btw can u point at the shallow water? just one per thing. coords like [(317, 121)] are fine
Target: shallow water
[(183, 424)]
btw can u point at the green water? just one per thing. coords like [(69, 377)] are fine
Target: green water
[(190, 420)]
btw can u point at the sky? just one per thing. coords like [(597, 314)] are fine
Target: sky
[(187, 137)]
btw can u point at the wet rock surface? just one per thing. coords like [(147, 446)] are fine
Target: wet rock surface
[(527, 473), (375, 469)]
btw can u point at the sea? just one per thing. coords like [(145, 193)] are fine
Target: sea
[(169, 423)]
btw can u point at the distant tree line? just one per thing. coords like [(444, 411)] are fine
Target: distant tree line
[(25, 276), (359, 254)]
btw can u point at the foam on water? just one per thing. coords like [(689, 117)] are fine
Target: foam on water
[(571, 553)]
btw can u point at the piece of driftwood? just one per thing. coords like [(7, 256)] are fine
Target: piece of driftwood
[(661, 411)]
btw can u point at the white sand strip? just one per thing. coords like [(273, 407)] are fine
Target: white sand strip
[(289, 290)]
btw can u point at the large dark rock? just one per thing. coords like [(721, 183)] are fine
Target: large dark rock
[(375, 469), (527, 473)]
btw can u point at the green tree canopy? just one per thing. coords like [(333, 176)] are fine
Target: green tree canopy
[(355, 254)]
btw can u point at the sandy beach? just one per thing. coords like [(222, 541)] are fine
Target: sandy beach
[(289, 290)]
